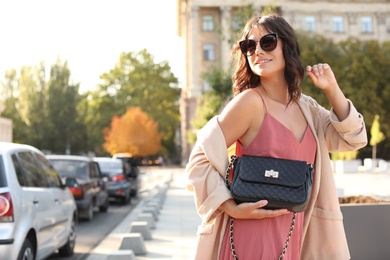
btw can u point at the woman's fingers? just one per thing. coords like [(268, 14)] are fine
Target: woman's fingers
[(317, 69)]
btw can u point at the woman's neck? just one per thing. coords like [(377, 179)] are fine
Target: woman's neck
[(276, 94)]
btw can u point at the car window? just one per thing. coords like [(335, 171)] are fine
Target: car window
[(71, 168), (51, 174), (3, 179), (33, 174), (18, 170), (110, 167)]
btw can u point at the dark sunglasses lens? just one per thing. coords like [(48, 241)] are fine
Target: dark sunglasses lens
[(248, 47), (268, 42)]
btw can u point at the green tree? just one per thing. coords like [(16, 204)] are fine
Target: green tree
[(360, 77), (44, 111), (31, 103), (23, 99), (9, 98), (64, 125), (137, 81)]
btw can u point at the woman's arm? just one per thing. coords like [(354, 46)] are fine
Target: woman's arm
[(323, 77), (238, 117)]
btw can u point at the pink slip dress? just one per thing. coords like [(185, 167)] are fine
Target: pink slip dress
[(265, 238)]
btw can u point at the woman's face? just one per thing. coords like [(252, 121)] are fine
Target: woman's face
[(263, 63)]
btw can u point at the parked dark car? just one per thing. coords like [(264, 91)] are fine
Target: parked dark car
[(119, 184), (38, 214), (131, 170), (83, 177)]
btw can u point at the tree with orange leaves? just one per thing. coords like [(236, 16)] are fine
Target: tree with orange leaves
[(134, 132)]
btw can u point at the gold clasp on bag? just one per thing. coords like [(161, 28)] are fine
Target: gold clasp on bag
[(271, 174)]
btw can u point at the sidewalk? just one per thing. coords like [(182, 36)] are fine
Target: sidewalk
[(175, 231), (176, 227), (173, 237)]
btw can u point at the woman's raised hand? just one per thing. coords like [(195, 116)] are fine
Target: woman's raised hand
[(322, 76)]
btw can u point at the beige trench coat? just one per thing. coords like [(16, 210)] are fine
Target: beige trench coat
[(323, 230)]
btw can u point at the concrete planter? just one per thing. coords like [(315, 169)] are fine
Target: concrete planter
[(367, 227)]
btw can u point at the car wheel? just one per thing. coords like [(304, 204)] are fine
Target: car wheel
[(134, 193), (104, 207), (27, 252), (68, 248)]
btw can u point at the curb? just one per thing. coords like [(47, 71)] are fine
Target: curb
[(126, 240)]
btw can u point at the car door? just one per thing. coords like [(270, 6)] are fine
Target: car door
[(40, 202), (99, 184), (62, 203)]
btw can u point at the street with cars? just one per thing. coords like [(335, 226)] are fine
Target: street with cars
[(61, 206)]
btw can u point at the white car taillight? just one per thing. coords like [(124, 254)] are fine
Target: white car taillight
[(6, 208)]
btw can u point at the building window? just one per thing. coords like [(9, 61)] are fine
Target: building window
[(208, 23), (208, 52), (206, 86), (366, 24), (338, 24), (310, 23), (236, 25)]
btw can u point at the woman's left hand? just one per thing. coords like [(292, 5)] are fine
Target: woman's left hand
[(322, 76)]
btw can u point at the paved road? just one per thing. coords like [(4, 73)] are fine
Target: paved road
[(91, 233)]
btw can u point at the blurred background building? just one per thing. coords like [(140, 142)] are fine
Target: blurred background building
[(203, 25)]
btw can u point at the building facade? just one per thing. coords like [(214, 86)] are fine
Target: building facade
[(204, 26)]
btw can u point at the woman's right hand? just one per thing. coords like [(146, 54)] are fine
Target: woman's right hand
[(251, 210)]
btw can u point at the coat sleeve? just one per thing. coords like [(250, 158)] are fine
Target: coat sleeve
[(206, 169), (342, 136)]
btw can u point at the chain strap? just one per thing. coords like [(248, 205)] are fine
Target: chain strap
[(288, 236), (285, 244), (230, 166)]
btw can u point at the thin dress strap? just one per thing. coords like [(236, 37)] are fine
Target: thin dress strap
[(266, 110)]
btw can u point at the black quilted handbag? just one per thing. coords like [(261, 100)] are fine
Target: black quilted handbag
[(283, 183)]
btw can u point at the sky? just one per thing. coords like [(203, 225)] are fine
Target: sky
[(89, 34)]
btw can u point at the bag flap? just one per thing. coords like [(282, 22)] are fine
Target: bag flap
[(275, 171)]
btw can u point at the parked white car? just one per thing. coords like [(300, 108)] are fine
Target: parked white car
[(38, 214)]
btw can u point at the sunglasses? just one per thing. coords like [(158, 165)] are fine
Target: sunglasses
[(268, 43)]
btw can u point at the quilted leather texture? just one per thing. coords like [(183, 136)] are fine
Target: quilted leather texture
[(290, 189)]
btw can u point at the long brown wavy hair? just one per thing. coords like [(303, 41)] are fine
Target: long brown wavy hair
[(243, 77)]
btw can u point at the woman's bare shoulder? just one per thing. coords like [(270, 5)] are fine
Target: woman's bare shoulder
[(243, 113), (246, 100), (241, 108)]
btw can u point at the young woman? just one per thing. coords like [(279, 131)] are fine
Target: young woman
[(269, 116)]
